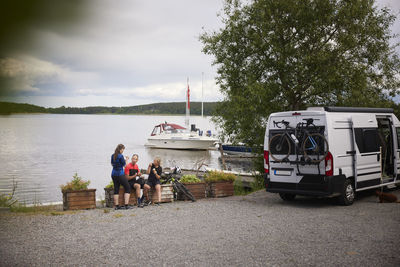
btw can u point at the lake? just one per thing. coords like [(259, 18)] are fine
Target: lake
[(42, 151)]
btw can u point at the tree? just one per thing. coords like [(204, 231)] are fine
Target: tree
[(275, 55)]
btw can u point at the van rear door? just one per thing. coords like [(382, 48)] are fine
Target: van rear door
[(293, 171)]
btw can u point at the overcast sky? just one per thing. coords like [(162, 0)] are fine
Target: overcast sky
[(123, 53)]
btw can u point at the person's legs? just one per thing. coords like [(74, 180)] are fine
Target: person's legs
[(124, 182), (137, 191), (146, 189), (158, 192), (116, 191)]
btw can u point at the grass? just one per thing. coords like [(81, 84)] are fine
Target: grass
[(118, 215), (258, 184), (50, 210)]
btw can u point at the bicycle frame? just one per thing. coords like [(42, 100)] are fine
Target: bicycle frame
[(301, 136)]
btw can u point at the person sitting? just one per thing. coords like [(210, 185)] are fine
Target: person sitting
[(154, 171), (133, 174)]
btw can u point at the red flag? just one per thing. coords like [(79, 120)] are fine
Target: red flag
[(188, 97)]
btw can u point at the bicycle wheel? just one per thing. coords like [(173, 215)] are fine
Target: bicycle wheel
[(185, 191), (176, 190), (315, 144), (279, 147)]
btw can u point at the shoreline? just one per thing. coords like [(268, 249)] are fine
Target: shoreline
[(129, 114)]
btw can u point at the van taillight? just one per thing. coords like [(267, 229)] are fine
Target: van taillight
[(266, 161), (329, 164)]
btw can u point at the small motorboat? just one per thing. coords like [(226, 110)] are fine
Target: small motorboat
[(239, 149), (174, 136)]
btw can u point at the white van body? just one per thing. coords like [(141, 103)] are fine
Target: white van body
[(364, 153)]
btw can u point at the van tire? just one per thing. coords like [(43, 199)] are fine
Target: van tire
[(287, 197), (348, 194)]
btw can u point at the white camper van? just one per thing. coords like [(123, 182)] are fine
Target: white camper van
[(331, 151)]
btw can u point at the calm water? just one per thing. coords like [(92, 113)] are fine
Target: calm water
[(42, 151)]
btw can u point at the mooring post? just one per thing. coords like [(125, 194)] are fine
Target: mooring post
[(222, 156)]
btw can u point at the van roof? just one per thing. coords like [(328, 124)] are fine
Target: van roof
[(356, 109)]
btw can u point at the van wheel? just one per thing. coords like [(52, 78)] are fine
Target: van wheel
[(287, 197), (348, 194)]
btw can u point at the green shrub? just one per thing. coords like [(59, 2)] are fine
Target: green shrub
[(239, 189), (190, 179), (218, 176), (76, 184), (110, 185), (7, 200)]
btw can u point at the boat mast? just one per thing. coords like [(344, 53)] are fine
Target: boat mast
[(187, 105), (202, 94)]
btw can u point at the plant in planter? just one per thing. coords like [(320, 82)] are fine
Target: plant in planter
[(194, 185), (76, 194), (220, 184)]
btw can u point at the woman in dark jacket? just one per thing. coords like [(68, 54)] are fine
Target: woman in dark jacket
[(118, 176)]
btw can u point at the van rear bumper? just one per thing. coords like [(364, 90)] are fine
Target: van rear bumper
[(309, 185)]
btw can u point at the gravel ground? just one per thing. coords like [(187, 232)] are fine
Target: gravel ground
[(255, 230)]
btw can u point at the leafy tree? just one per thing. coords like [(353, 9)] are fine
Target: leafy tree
[(275, 55)]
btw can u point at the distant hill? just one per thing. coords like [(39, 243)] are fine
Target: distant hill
[(9, 108), (171, 108)]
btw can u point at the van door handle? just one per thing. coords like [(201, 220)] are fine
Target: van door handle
[(351, 152), (378, 157)]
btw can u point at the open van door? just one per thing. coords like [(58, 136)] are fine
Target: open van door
[(368, 141), (386, 131)]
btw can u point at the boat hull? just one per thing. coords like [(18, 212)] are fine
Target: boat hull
[(237, 149), (189, 144)]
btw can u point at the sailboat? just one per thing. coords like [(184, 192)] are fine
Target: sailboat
[(173, 136)]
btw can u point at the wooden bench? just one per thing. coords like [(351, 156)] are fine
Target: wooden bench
[(166, 195)]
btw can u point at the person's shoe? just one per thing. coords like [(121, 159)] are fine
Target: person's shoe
[(157, 204), (128, 207), (141, 205), (147, 203), (117, 208)]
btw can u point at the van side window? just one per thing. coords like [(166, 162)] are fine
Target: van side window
[(367, 140), (371, 141), (398, 137)]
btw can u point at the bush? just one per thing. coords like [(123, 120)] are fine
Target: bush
[(76, 184), (190, 179), (218, 176), (110, 185), (239, 189), (7, 200)]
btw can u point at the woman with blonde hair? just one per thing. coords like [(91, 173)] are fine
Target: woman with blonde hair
[(154, 171)]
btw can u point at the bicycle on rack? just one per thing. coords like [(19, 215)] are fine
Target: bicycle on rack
[(178, 187), (312, 142)]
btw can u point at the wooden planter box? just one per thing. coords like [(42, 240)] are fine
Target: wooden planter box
[(166, 196), (198, 190), (220, 189), (109, 197), (79, 199)]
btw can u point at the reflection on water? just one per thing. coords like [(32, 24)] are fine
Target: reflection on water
[(42, 151)]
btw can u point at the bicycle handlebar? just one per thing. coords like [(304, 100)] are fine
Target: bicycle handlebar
[(276, 123)]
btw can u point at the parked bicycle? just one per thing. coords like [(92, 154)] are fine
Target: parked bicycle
[(178, 187), (306, 140)]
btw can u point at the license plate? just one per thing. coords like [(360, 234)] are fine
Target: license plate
[(283, 172)]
